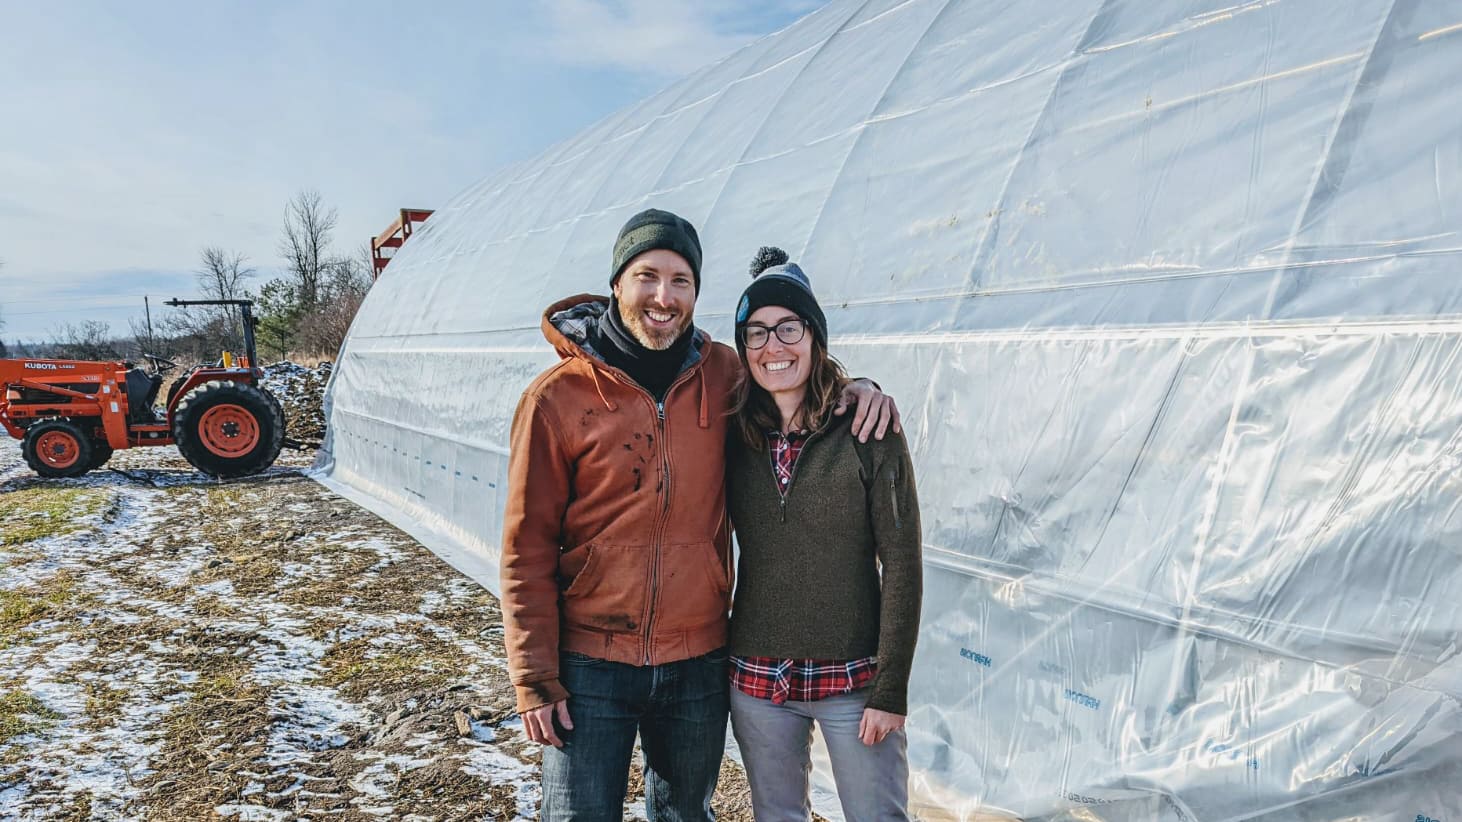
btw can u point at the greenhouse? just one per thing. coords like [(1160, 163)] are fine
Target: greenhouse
[(1169, 296)]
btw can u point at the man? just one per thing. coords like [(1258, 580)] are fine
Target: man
[(616, 567)]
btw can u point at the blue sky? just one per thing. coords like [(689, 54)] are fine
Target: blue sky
[(134, 134)]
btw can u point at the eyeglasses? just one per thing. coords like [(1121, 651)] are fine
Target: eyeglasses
[(790, 332)]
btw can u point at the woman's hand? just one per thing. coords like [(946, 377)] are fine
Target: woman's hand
[(875, 409), (877, 724)]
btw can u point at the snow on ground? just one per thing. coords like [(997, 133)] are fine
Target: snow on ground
[(179, 648), (174, 647)]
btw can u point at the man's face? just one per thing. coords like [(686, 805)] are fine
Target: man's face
[(656, 294)]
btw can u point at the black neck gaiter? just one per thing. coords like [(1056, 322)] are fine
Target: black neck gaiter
[(653, 370)]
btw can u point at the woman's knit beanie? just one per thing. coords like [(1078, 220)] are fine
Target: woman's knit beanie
[(775, 281)]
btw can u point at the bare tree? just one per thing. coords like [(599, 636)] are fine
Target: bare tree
[(223, 274), (323, 330), (308, 311), (146, 336), (87, 340), (305, 245), (200, 333)]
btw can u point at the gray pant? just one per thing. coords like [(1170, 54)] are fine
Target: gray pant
[(776, 747)]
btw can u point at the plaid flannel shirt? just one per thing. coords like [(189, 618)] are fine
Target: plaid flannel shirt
[(800, 680)]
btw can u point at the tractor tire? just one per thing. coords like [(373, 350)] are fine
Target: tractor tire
[(100, 453), (228, 429), (57, 448), (278, 408), (173, 390)]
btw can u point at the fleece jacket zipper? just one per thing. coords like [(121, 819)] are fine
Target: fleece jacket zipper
[(792, 477)]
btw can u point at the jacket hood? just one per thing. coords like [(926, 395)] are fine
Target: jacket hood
[(567, 325)]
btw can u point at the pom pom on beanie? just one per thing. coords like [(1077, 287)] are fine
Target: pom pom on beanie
[(777, 281), (766, 257)]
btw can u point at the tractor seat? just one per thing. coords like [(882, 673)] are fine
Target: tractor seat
[(142, 389)]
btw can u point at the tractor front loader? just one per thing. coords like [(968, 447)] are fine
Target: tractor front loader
[(72, 414)]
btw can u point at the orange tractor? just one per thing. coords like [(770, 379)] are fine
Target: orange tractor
[(72, 414)]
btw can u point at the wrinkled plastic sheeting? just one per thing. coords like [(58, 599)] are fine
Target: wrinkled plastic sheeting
[(1169, 295)]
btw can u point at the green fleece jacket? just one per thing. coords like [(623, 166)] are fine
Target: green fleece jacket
[(808, 584)]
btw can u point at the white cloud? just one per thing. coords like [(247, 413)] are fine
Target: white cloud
[(661, 38)]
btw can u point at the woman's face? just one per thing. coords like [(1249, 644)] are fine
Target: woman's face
[(780, 367)]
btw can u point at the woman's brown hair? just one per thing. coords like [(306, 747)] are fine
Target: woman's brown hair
[(757, 413)]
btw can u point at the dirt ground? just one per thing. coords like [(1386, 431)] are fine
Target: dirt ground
[(179, 648)]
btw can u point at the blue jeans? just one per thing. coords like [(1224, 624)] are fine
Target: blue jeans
[(679, 710)]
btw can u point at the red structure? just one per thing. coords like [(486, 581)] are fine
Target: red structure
[(394, 235)]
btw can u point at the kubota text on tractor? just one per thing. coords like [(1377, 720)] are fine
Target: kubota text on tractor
[(71, 414)]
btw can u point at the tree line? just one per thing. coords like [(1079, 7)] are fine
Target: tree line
[(304, 313)]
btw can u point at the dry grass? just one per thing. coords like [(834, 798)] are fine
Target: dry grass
[(359, 670), (55, 598), (209, 741), (102, 703), (38, 511), (21, 713), (308, 360)]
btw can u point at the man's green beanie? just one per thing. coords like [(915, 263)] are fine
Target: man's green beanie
[(652, 229)]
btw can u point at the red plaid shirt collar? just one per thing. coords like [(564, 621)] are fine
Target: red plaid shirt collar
[(785, 448)]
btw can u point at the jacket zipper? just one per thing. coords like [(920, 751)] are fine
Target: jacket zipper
[(659, 532), (659, 529), (664, 451), (657, 535), (792, 477)]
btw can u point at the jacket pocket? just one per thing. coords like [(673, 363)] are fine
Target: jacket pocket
[(893, 491), (693, 586), (585, 575), (608, 593)]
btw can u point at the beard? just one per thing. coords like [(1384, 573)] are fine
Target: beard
[(655, 339)]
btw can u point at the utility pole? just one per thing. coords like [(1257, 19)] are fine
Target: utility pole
[(147, 309)]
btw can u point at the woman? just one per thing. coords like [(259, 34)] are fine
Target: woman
[(816, 635)]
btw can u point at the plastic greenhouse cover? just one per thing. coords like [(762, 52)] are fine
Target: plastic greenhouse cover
[(1169, 294)]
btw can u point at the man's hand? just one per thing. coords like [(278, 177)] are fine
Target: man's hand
[(538, 722), (877, 724), (875, 410)]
